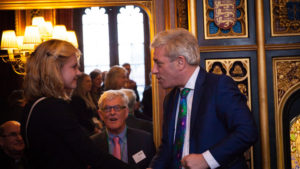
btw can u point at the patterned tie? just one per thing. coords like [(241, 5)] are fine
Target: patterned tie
[(117, 148), (180, 129)]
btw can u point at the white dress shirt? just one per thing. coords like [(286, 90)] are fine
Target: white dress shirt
[(186, 145)]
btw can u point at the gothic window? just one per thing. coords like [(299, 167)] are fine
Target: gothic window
[(113, 36)]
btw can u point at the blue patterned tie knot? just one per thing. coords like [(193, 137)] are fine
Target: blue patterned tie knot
[(184, 92)]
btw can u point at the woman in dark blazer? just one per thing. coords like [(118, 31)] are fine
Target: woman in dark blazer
[(52, 134)]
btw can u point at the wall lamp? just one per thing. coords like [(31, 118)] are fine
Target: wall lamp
[(19, 48)]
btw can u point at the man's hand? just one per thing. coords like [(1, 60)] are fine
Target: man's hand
[(194, 161)]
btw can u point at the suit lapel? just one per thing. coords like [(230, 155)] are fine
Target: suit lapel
[(101, 141), (197, 97), (172, 116), (104, 138), (130, 146)]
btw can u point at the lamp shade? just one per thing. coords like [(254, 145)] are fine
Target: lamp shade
[(38, 21), (24, 47), (49, 28), (59, 32), (32, 35), (71, 37), (9, 40), (20, 41)]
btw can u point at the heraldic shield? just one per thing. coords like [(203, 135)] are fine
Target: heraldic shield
[(224, 13)]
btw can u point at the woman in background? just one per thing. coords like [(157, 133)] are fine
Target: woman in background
[(83, 105), (96, 90), (116, 78), (51, 132)]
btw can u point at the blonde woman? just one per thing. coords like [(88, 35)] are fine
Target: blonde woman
[(83, 104), (52, 134), (116, 78)]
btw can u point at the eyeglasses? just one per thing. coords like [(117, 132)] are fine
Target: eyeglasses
[(116, 108), (14, 134)]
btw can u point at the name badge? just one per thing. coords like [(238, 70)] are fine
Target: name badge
[(139, 156)]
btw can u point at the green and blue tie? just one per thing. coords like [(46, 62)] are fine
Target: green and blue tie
[(180, 129)]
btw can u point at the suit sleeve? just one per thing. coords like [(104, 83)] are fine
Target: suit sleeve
[(237, 119), (151, 147)]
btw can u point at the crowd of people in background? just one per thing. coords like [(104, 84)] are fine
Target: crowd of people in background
[(84, 98)]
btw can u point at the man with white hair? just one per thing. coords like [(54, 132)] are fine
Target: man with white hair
[(133, 146)]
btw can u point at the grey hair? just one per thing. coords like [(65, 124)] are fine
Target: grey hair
[(131, 97), (110, 95), (178, 42)]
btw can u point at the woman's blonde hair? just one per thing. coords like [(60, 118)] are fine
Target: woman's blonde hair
[(85, 95), (43, 69), (111, 77)]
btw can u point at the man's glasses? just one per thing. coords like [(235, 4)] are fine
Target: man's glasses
[(116, 108)]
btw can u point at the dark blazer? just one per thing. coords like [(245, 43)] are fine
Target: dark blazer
[(57, 140), (7, 162), (147, 102), (84, 114), (140, 124), (221, 122), (137, 140)]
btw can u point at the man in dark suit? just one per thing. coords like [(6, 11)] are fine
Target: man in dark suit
[(132, 146), (215, 127), (12, 146)]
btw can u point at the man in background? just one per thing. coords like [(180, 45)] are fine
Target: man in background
[(133, 146), (12, 146), (131, 84)]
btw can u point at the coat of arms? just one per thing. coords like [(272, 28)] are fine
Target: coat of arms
[(224, 13)]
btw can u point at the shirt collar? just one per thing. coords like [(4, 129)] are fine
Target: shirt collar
[(122, 135), (192, 81)]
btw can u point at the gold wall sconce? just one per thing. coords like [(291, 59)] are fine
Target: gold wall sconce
[(19, 48)]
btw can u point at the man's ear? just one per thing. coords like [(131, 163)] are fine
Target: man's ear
[(181, 62), (100, 115)]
